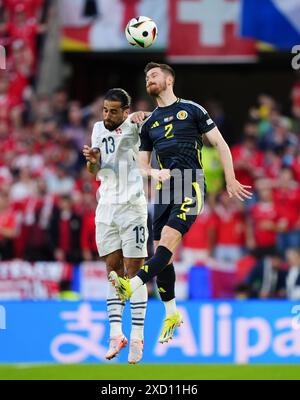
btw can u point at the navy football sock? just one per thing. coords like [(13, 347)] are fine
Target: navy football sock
[(165, 281), (156, 264)]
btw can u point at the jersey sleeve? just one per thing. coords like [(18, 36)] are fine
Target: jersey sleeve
[(204, 122), (146, 142), (95, 137)]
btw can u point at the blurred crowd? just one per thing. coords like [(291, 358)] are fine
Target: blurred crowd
[(48, 199)]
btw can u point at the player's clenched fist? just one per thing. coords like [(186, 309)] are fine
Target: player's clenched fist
[(92, 155), (161, 175)]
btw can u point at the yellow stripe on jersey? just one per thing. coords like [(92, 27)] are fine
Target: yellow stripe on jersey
[(198, 194), (159, 162), (198, 154)]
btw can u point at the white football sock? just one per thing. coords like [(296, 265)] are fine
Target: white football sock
[(170, 307), (135, 283), (138, 304), (115, 309)]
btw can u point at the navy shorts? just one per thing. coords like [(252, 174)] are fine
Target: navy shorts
[(178, 209)]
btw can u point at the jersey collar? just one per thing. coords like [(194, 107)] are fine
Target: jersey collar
[(171, 105)]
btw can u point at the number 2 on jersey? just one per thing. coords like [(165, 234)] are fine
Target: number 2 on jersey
[(110, 146), (169, 131)]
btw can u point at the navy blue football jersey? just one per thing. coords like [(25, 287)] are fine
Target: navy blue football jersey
[(175, 133)]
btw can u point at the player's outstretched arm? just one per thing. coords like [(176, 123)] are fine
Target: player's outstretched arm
[(93, 158), (139, 116), (233, 186)]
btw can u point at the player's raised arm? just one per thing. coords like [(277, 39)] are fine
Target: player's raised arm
[(234, 187), (93, 157)]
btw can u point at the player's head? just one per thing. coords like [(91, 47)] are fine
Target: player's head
[(115, 108), (159, 78)]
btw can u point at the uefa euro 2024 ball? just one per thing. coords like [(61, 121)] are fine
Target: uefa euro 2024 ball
[(141, 31)]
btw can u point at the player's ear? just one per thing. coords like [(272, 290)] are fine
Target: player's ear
[(170, 80), (126, 112)]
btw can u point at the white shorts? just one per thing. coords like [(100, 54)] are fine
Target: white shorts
[(127, 230)]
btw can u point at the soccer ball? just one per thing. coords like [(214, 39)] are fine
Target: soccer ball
[(141, 32)]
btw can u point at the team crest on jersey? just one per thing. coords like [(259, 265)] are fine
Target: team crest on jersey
[(182, 114), (119, 131), (168, 119)]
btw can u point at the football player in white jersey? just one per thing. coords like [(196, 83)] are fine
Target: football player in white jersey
[(121, 214)]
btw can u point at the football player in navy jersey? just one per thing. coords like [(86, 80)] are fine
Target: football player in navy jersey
[(174, 130)]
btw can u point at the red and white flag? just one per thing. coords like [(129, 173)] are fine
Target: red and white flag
[(207, 31)]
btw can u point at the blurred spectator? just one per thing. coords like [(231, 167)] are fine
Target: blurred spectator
[(59, 182), (272, 164), (33, 243), (21, 62), (87, 239), (74, 131), (8, 102), (24, 28), (60, 106), (24, 186), (265, 105), (293, 275), (32, 7), (30, 160), (267, 278), (214, 175), (86, 182), (64, 231), (287, 199), (8, 227), (230, 232), (248, 159), (262, 223), (296, 166), (295, 95)]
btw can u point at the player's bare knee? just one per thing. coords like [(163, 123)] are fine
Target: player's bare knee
[(170, 238), (114, 262), (119, 269)]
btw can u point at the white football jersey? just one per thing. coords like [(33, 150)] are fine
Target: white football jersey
[(121, 181)]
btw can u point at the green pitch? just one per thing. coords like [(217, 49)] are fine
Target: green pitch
[(150, 371)]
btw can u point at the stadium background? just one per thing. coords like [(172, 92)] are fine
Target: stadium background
[(238, 270)]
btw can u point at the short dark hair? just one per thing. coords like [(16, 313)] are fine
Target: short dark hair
[(164, 67), (118, 94)]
